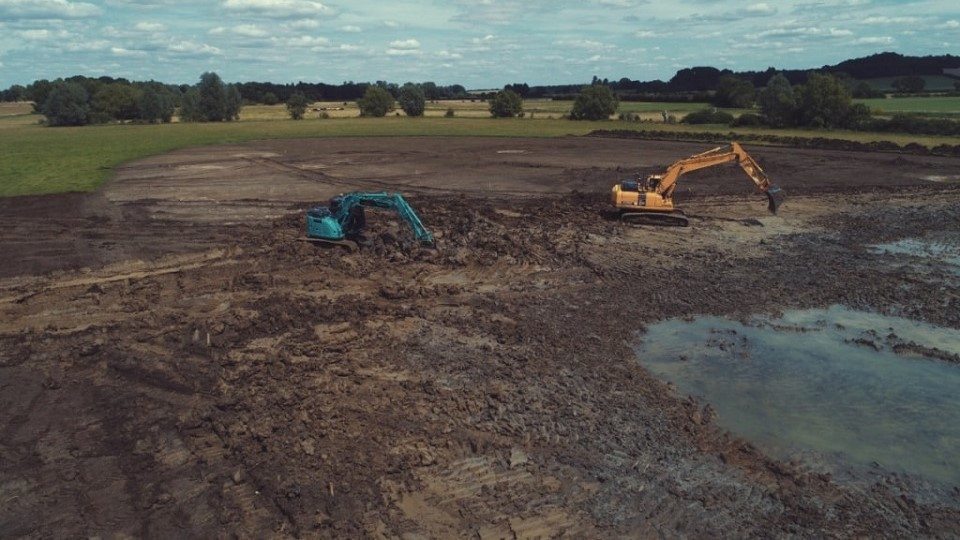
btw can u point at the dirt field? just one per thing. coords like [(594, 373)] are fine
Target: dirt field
[(174, 363)]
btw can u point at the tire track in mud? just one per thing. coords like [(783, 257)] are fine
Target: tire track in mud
[(460, 487)]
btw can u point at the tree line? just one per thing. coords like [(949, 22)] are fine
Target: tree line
[(78, 101), (688, 84)]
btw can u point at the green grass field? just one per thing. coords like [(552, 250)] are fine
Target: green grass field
[(934, 82), (947, 106), (38, 160)]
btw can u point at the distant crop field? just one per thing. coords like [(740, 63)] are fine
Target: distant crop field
[(14, 115), (16, 108), (927, 105), (476, 108)]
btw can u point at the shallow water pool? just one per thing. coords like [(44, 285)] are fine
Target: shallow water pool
[(938, 249), (855, 388)]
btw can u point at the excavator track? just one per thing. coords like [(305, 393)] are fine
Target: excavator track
[(662, 219), (349, 245)]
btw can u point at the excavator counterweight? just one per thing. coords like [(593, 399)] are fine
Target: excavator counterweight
[(650, 201)]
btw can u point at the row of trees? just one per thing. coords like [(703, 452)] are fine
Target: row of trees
[(79, 101), (272, 94), (688, 84), (822, 101)]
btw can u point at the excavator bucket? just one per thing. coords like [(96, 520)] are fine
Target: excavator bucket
[(775, 196)]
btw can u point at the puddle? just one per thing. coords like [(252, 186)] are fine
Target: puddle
[(945, 250), (834, 387)]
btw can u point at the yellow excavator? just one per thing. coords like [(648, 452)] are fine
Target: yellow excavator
[(650, 201)]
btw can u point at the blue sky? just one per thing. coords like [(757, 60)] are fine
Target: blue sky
[(476, 43)]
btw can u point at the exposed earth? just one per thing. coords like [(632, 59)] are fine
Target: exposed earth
[(175, 362)]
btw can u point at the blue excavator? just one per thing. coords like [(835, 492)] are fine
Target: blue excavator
[(344, 219)]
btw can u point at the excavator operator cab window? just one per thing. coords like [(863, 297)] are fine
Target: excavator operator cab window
[(319, 212)]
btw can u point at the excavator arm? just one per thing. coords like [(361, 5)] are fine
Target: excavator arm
[(347, 210), (396, 202), (668, 181)]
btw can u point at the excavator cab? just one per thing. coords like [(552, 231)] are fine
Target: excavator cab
[(353, 220), (653, 182)]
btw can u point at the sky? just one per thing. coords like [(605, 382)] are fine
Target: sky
[(480, 44)]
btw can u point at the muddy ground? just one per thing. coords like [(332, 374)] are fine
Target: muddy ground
[(175, 363)]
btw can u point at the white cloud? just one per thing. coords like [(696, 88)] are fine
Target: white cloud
[(147, 3), (35, 35), (305, 24), (757, 45), (249, 30), (149, 27), (891, 20), (405, 44), (190, 48), (120, 51), (951, 24), (761, 9), (448, 54), (47, 9), (586, 44), (616, 3), (82, 46), (403, 52), (350, 28), (878, 40), (802, 32), (279, 9), (645, 34), (306, 42)]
